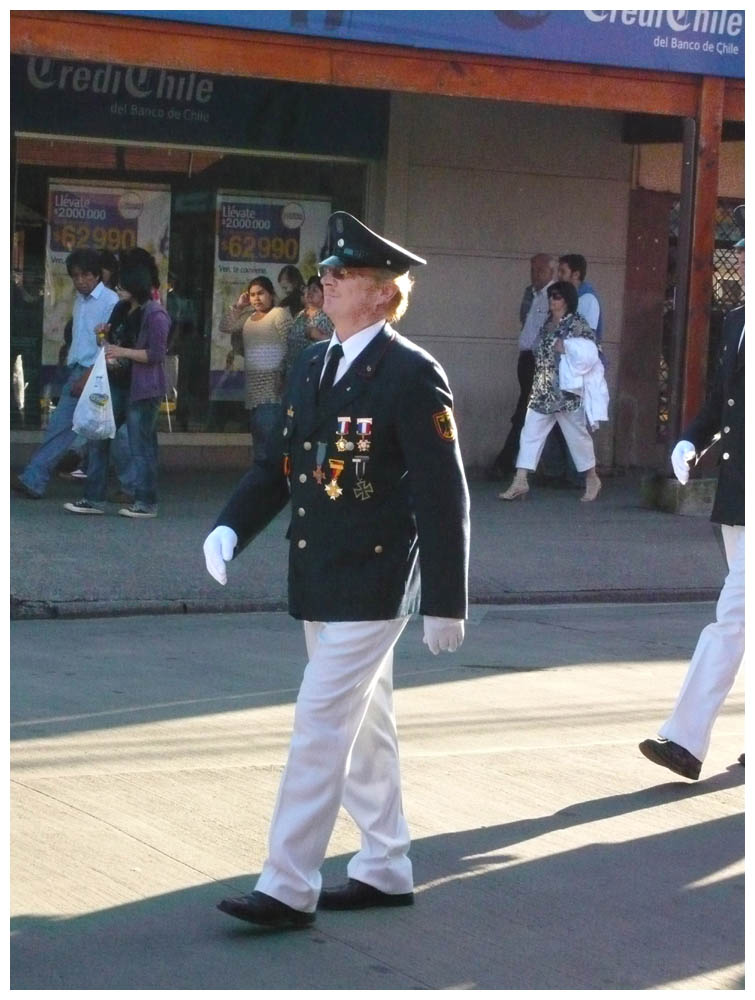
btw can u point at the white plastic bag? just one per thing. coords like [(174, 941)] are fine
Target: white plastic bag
[(93, 417)]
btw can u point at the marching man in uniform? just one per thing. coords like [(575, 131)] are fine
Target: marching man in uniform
[(368, 455), (683, 740)]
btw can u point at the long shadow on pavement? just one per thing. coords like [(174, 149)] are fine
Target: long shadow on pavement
[(631, 915)]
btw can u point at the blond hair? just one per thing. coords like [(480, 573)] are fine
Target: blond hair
[(403, 283)]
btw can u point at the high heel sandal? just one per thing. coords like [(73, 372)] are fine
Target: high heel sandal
[(592, 488), (517, 491)]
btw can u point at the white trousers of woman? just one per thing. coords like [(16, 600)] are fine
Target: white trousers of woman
[(717, 657), (537, 427), (344, 751)]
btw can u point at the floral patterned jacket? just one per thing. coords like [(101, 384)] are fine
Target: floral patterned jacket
[(546, 395)]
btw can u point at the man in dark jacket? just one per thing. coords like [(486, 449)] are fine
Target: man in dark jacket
[(684, 738), (368, 454)]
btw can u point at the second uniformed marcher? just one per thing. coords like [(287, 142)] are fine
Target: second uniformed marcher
[(368, 455), (684, 738)]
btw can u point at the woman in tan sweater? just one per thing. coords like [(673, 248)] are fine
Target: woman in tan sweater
[(259, 332)]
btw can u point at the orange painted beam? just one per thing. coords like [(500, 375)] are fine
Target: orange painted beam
[(229, 51), (710, 121), (734, 101)]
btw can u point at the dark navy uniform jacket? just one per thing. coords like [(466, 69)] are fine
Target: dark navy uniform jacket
[(724, 414), (377, 489)]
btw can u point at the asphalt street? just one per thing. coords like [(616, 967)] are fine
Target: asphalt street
[(548, 853)]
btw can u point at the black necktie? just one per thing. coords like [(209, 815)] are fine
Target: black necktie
[(326, 383)]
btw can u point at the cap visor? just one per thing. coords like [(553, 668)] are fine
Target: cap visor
[(333, 261)]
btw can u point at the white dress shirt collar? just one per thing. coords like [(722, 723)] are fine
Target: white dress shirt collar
[(353, 346)]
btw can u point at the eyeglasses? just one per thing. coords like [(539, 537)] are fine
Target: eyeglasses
[(556, 296), (338, 273)]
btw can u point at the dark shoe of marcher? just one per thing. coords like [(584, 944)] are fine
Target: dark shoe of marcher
[(20, 487), (671, 755), (741, 759), (82, 507), (138, 510), (259, 908), (356, 895)]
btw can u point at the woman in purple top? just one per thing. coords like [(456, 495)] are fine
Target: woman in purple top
[(150, 323), (147, 385)]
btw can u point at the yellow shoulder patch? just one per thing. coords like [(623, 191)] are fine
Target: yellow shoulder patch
[(444, 424)]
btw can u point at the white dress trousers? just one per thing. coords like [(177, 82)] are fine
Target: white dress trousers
[(537, 427), (344, 751), (716, 659)]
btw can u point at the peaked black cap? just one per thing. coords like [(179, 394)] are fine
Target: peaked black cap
[(351, 244)]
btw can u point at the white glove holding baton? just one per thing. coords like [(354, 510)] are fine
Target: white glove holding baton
[(683, 453), (218, 550), (443, 634)]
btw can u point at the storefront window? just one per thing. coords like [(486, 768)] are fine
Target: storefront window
[(213, 217)]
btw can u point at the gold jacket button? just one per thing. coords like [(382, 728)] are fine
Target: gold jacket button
[(726, 430), (303, 477), (725, 455), (307, 446), (378, 549), (300, 512), (731, 402), (302, 543)]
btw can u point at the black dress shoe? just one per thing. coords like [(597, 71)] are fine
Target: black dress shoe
[(671, 755), (259, 908), (356, 895), (741, 759)]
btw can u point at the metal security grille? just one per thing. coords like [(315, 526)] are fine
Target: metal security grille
[(726, 293)]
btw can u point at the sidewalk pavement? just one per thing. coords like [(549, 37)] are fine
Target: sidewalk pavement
[(547, 852), (547, 548)]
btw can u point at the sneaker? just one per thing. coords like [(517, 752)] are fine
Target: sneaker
[(673, 756), (82, 507), (75, 475), (138, 510)]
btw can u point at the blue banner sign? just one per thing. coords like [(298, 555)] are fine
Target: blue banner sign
[(706, 42)]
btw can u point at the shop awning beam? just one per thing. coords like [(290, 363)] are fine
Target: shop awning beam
[(265, 55)]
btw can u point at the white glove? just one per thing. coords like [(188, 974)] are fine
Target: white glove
[(443, 633), (683, 453), (218, 550)]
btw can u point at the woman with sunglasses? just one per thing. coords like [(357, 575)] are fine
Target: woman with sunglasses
[(549, 403)]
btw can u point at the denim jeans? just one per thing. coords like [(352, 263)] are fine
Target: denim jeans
[(98, 452), (59, 437), (262, 421), (120, 454), (141, 419)]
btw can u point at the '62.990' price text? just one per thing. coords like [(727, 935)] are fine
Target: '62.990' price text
[(84, 237), (247, 247)]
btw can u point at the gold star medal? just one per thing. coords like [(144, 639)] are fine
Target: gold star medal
[(333, 490), (344, 426)]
